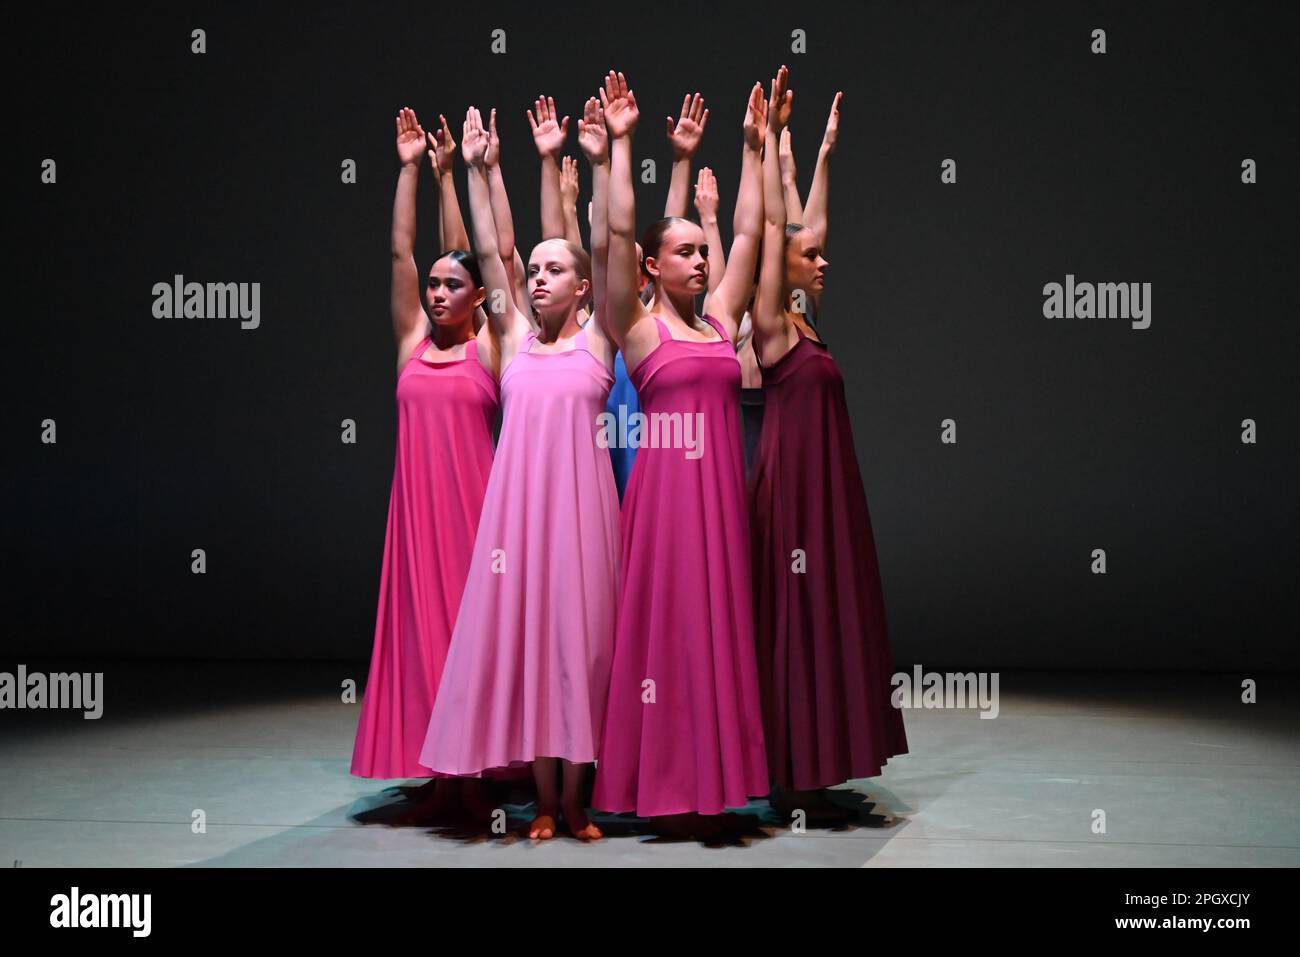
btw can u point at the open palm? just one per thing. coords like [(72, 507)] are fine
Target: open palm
[(549, 132), (592, 136), (685, 135), (410, 137), (621, 111), (473, 139)]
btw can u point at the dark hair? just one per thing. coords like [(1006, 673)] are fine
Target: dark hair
[(466, 260), (791, 231), (653, 238)]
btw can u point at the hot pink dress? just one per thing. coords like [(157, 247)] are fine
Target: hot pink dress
[(684, 729), (529, 664), (440, 473)]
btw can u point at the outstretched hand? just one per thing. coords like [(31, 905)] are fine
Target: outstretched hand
[(786, 154), (686, 135), (781, 103), (755, 118), (492, 155), (410, 137), (442, 148), (592, 135), (569, 182), (474, 139), (619, 102), (832, 125), (549, 133), (706, 194)]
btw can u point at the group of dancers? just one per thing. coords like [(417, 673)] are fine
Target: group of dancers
[(699, 629)]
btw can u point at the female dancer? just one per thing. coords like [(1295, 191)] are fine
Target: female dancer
[(446, 400), (823, 650), (683, 731), (559, 196), (528, 668)]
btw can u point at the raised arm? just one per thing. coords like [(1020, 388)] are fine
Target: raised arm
[(815, 213), (594, 140), (506, 321), (706, 204), (790, 180), (569, 200), (442, 154), (409, 320), (622, 305), (769, 318), (727, 303), (501, 215), (548, 136), (685, 139)]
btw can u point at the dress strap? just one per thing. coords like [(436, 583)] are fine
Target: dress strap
[(528, 341), (718, 326), (664, 335), (422, 348), (580, 340)]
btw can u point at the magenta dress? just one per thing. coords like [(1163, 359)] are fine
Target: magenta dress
[(529, 664), (440, 473), (824, 660), (685, 614)]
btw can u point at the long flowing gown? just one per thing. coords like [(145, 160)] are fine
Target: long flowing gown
[(440, 473), (528, 670), (824, 658), (683, 731)]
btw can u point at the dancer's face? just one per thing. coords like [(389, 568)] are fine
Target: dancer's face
[(554, 285), (805, 266), (451, 295), (682, 266)]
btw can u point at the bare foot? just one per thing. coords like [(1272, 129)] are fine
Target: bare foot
[(580, 826), (542, 828)]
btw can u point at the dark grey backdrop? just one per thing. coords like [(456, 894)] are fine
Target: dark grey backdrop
[(1073, 434)]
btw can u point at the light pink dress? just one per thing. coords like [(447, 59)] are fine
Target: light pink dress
[(440, 474), (528, 669)]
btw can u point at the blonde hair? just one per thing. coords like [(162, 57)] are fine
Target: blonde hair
[(581, 265)]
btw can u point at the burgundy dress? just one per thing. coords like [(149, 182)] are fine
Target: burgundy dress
[(824, 660)]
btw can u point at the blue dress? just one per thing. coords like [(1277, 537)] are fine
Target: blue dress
[(623, 393)]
